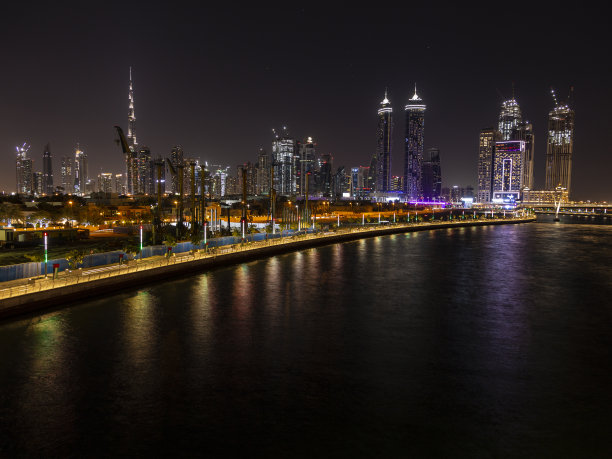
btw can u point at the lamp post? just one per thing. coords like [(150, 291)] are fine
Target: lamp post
[(46, 259), (140, 240), (362, 219)]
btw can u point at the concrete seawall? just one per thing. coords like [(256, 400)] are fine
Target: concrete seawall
[(63, 295)]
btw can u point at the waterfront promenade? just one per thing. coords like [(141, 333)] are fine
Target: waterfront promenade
[(29, 295)]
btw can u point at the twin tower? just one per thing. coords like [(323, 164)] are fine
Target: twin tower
[(412, 183)]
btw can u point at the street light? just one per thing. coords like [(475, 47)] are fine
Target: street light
[(45, 234)]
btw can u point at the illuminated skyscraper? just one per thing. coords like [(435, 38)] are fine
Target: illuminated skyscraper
[(414, 145), (47, 177), (80, 171), (105, 182), (486, 146), (145, 171), (284, 160), (509, 118), (131, 158), (305, 169), (131, 136), (23, 169), (177, 160), (512, 127), (67, 175), (384, 145), (560, 146), (508, 171), (263, 173)]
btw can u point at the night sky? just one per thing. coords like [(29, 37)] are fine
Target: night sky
[(218, 80)]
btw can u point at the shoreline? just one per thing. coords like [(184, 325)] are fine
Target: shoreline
[(55, 293)]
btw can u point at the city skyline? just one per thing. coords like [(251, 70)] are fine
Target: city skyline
[(216, 121)]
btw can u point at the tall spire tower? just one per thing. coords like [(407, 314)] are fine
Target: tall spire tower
[(131, 158), (383, 145), (414, 146), (131, 137)]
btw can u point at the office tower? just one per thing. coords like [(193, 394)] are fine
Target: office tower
[(509, 118), (105, 182), (284, 160), (360, 177), (250, 175), (263, 173), (486, 146), (47, 178), (512, 127), (324, 183), (37, 183), (119, 186), (384, 142), (144, 171), (414, 144), (80, 171), (431, 175), (456, 192), (560, 146), (373, 174), (524, 131), (306, 166), (508, 171), (23, 169), (67, 175), (177, 161), (341, 183)]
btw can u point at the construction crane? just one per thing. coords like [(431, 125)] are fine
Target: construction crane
[(554, 96)]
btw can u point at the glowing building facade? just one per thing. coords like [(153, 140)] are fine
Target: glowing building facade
[(47, 174), (384, 145), (414, 145), (508, 171), (486, 146), (559, 148), (284, 160), (23, 169)]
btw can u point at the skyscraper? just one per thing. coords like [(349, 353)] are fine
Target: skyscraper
[(509, 118), (431, 175), (23, 169), (131, 137), (384, 145), (67, 175), (176, 159), (47, 177), (508, 171), (512, 127), (131, 158), (560, 146), (486, 146), (263, 173), (80, 171), (145, 171), (284, 160), (414, 144), (307, 156)]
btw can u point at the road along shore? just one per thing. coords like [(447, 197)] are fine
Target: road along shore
[(45, 293)]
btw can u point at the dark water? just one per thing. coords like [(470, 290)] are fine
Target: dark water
[(474, 342)]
